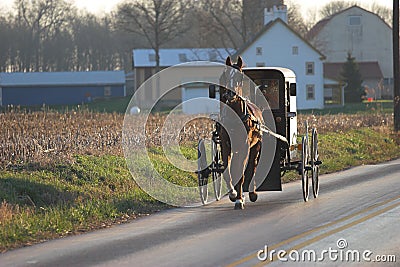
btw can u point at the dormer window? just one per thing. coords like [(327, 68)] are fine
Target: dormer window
[(354, 20), (295, 50)]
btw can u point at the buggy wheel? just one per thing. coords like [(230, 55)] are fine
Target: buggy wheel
[(315, 162), (217, 166), (202, 171), (305, 172)]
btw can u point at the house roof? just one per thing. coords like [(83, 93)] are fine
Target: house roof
[(171, 57), (368, 70), (62, 78), (321, 24), (266, 28)]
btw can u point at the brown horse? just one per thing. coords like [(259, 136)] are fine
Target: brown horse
[(241, 159)]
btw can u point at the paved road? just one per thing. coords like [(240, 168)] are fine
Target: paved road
[(358, 211)]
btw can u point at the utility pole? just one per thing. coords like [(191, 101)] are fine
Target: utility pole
[(396, 76)]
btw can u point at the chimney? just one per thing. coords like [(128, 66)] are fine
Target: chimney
[(271, 14)]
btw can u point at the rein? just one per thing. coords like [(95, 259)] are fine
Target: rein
[(259, 126)]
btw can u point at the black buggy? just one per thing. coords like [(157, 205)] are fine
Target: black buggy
[(278, 86)]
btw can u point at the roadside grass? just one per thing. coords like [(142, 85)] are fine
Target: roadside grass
[(92, 193), (358, 147), (95, 192), (343, 150)]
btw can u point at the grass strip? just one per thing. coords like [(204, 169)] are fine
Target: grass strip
[(96, 192)]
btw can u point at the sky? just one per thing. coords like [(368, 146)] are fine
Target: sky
[(101, 6)]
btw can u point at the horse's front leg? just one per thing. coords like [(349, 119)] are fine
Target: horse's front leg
[(226, 159), (238, 164), (239, 202)]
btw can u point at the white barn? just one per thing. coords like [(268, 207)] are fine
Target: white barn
[(366, 36), (277, 45)]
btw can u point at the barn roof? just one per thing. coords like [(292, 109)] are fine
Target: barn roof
[(171, 57), (316, 29), (368, 70), (62, 78)]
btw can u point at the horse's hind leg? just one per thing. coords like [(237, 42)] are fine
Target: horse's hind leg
[(232, 192), (251, 168)]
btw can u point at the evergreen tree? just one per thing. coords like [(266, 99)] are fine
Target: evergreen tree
[(351, 75)]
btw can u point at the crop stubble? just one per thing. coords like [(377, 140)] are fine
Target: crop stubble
[(46, 137)]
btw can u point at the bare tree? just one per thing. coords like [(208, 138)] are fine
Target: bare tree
[(296, 20), (384, 12), (335, 7), (50, 35), (158, 21), (5, 36), (44, 19), (96, 44), (223, 23)]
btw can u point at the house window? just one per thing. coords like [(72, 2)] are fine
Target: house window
[(310, 92), (309, 68), (182, 57), (388, 81), (107, 91), (152, 57), (354, 20), (259, 51), (295, 50), (260, 64)]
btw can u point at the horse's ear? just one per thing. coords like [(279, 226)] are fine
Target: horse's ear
[(228, 61), (240, 62)]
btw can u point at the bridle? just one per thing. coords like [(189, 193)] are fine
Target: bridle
[(233, 80)]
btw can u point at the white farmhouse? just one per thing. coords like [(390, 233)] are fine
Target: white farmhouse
[(366, 36), (277, 45)]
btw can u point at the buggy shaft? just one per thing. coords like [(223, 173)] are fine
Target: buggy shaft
[(266, 130)]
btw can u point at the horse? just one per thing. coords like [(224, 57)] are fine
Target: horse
[(244, 160)]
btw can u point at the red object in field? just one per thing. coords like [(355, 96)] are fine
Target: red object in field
[(370, 99)]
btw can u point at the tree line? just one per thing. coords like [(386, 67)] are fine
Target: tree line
[(53, 35)]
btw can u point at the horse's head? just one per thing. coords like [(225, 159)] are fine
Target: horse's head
[(233, 79)]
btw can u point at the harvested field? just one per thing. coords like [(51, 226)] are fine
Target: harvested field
[(43, 137)]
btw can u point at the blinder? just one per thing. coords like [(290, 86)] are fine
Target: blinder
[(233, 80)]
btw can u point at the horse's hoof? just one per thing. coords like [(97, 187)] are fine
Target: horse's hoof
[(232, 195), (239, 204), (253, 196)]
